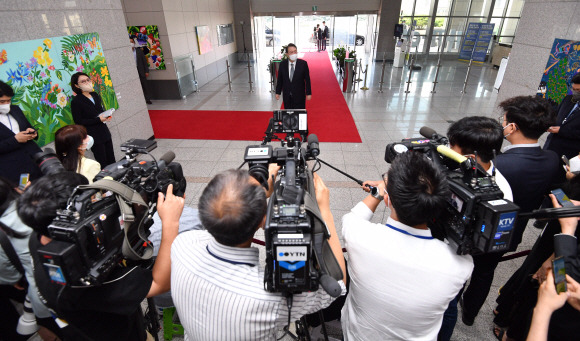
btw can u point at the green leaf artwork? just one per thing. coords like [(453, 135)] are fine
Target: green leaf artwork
[(563, 64), (39, 71)]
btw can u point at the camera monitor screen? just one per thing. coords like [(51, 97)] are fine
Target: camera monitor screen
[(290, 121)]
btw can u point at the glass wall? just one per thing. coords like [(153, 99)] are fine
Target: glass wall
[(439, 25)]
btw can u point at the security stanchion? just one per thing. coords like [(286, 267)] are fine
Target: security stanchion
[(467, 75), (229, 76), (436, 74), (365, 83), (382, 77), (410, 73), (250, 73), (359, 70)]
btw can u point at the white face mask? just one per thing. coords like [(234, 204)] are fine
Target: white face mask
[(293, 57), (505, 136), (4, 108), (89, 142), (88, 87), (132, 45)]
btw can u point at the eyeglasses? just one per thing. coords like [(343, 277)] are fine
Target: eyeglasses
[(86, 81), (501, 118)]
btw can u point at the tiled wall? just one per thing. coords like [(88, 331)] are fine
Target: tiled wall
[(36, 19), (176, 20), (541, 22)]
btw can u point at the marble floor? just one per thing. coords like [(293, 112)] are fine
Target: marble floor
[(381, 118)]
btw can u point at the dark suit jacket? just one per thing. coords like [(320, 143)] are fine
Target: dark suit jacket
[(567, 140), (16, 158), (325, 33), (295, 92), (530, 171), (319, 33), (142, 66), (86, 113)]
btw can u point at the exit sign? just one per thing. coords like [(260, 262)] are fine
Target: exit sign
[(314, 8)]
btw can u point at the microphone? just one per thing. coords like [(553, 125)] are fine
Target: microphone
[(430, 133), (166, 159), (313, 145), (450, 153)]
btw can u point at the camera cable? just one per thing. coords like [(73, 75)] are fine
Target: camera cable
[(289, 300)]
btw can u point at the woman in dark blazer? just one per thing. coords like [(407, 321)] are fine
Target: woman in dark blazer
[(86, 107)]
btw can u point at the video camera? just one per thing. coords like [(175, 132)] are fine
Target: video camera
[(298, 257), (477, 219), (109, 220)]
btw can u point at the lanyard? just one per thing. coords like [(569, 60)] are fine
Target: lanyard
[(410, 234)]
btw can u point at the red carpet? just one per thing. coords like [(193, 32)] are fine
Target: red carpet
[(328, 115)]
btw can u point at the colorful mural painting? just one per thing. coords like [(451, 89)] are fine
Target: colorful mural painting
[(148, 36), (563, 63), (203, 39), (39, 71)]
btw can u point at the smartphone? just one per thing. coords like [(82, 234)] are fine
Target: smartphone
[(559, 269), (565, 159), (23, 180), (562, 198)]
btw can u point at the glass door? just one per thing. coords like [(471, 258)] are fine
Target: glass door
[(283, 33)]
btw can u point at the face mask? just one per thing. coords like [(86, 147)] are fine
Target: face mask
[(4, 108), (293, 57), (132, 45), (90, 142), (88, 87), (575, 96), (505, 136)]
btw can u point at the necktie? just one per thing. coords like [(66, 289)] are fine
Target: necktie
[(291, 71)]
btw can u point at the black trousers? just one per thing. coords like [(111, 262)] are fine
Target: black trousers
[(481, 279), (144, 86), (10, 316), (104, 153)]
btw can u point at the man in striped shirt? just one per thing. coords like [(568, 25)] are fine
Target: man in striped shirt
[(217, 284)]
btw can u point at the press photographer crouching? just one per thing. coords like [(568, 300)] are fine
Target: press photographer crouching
[(217, 284), (90, 251)]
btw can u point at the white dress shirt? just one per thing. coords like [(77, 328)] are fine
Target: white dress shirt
[(502, 183), (219, 292), (401, 279), (10, 122)]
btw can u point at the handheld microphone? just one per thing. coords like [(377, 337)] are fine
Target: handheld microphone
[(313, 145), (430, 133)]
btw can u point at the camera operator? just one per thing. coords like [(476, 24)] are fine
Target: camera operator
[(482, 136), (529, 170), (110, 311), (402, 278), (217, 285)]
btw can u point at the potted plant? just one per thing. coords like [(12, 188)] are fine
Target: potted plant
[(339, 54)]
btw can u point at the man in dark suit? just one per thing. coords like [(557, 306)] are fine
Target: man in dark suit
[(293, 80), (564, 137), (529, 170), (319, 37), (325, 35), (142, 67), (16, 140)]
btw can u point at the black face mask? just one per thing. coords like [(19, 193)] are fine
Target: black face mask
[(575, 96)]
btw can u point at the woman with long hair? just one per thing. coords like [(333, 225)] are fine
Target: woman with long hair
[(71, 142), (86, 107)]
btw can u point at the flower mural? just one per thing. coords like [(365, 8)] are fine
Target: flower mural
[(39, 71), (563, 64), (148, 36)]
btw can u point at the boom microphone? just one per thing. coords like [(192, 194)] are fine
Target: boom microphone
[(313, 145), (166, 159), (430, 133)]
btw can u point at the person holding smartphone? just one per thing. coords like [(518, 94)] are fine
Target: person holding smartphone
[(86, 108), (17, 137)]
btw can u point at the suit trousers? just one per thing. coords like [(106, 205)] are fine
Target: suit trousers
[(144, 86), (481, 279), (104, 153)]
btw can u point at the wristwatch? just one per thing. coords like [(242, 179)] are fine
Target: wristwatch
[(376, 193)]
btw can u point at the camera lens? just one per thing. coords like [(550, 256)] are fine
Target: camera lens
[(48, 162)]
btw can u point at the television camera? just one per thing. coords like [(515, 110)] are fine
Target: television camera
[(298, 256), (109, 220), (477, 219)]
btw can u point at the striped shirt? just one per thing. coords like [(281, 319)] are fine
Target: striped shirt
[(219, 292)]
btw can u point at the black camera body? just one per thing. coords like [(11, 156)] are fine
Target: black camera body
[(477, 219), (93, 234)]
